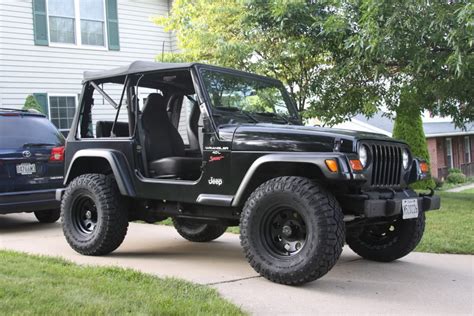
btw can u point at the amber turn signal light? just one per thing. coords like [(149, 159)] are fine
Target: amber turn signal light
[(424, 167), (356, 165), (332, 165)]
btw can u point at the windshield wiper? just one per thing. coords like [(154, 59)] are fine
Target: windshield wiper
[(236, 110), (275, 115), (37, 144)]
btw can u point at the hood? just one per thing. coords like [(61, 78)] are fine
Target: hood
[(275, 137)]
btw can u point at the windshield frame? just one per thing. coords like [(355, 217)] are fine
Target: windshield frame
[(278, 84)]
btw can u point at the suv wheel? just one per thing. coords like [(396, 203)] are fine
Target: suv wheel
[(198, 232), (94, 216), (48, 216), (387, 242), (292, 230)]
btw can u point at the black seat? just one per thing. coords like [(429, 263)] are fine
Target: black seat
[(194, 128), (104, 128), (163, 144)]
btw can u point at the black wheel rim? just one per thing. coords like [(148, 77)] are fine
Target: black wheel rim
[(284, 232), (84, 215), (381, 234)]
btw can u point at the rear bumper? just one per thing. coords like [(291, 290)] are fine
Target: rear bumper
[(376, 204), (28, 201)]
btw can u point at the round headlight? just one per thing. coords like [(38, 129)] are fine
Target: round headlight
[(363, 155), (405, 158)]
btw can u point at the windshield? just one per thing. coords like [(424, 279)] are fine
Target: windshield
[(240, 99)]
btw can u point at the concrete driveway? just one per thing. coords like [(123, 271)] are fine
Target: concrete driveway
[(417, 284)]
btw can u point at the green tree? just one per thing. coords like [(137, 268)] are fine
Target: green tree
[(339, 58), (388, 46), (257, 36), (32, 104)]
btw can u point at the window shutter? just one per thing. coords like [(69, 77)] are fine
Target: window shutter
[(42, 99), (112, 25), (40, 22)]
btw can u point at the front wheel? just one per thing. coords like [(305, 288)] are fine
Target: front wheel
[(198, 232), (94, 215), (292, 230), (387, 242)]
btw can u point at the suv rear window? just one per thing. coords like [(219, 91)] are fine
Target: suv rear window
[(15, 131)]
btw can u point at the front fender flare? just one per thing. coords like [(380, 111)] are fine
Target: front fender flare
[(118, 164), (317, 159)]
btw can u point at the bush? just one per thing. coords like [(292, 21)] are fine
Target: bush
[(454, 170), (32, 104), (438, 183), (408, 126), (456, 178)]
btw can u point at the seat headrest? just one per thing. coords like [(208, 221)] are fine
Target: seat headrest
[(155, 102)]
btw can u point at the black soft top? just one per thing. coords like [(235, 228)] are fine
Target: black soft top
[(133, 68), (149, 66)]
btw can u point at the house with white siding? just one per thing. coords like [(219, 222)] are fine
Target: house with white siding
[(46, 45)]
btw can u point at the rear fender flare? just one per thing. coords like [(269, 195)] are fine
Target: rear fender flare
[(115, 159)]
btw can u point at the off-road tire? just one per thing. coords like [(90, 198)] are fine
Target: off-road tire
[(48, 216), (324, 227), (111, 212), (398, 243), (198, 232)]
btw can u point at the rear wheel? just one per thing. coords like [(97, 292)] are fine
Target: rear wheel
[(387, 242), (94, 215), (48, 216), (198, 232), (292, 230)]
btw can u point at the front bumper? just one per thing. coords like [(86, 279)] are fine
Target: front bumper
[(377, 204), (393, 207), (28, 201)]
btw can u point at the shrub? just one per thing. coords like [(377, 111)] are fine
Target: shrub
[(454, 170), (409, 127), (456, 178), (32, 104), (438, 183)]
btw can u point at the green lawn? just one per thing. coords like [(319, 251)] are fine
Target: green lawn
[(450, 229), (31, 285)]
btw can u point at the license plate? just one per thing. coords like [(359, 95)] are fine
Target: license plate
[(409, 208), (26, 168)]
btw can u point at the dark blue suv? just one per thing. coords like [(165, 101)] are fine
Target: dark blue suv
[(31, 164)]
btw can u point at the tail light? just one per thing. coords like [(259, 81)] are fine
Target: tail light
[(57, 154)]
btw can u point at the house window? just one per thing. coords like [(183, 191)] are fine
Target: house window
[(61, 21), (467, 149), (449, 152), (92, 22), (80, 22), (61, 111)]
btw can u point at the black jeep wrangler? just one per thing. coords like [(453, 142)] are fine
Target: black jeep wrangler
[(212, 147)]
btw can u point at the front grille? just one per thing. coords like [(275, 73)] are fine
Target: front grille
[(386, 164)]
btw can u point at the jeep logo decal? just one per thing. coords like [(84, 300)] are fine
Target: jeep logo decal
[(215, 181)]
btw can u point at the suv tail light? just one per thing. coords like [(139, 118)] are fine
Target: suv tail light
[(57, 154)]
